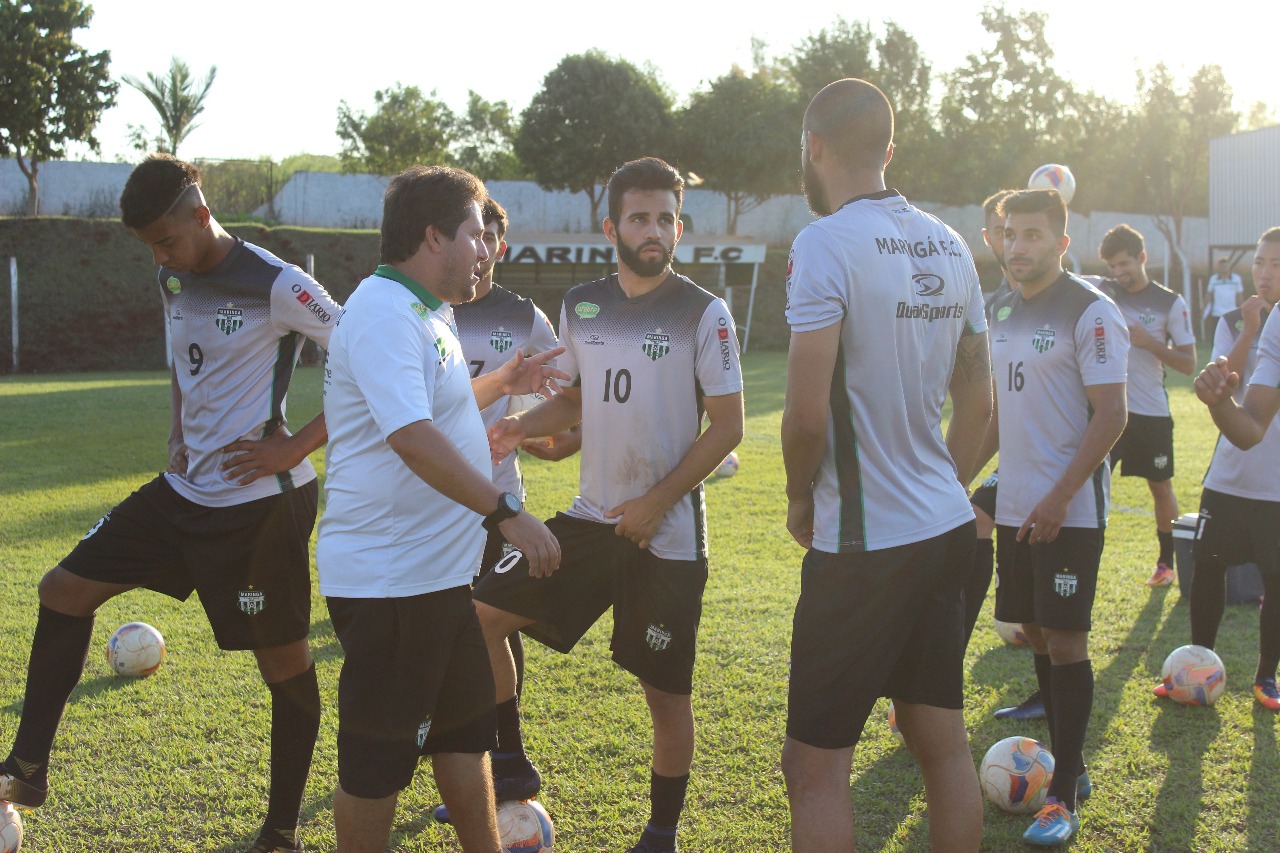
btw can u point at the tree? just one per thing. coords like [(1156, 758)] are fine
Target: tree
[(485, 144), (760, 158), (592, 114), (51, 91), (833, 53), (406, 128), (177, 99)]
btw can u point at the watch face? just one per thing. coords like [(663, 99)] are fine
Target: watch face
[(510, 503)]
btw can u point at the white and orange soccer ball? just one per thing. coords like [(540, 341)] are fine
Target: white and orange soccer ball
[(893, 725), (1012, 633), (10, 829), (1054, 176), (729, 466), (1016, 773), (1194, 675), (135, 649), (525, 827)]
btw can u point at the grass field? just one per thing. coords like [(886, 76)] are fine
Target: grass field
[(178, 762)]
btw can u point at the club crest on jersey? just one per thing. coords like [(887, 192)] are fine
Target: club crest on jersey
[(252, 601), (500, 339), (175, 286), (658, 637), (1065, 584), (657, 344), (229, 320), (586, 310), (424, 729), (928, 284), (1043, 340)]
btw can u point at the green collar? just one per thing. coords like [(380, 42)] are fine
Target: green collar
[(388, 271)]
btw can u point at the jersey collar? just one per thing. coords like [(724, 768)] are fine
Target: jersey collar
[(390, 272), (879, 195)]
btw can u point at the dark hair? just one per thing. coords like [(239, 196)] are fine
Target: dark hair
[(153, 187), (1271, 235), (1048, 202), (990, 207), (494, 212), (647, 173), (422, 196), (855, 121), (1122, 238)]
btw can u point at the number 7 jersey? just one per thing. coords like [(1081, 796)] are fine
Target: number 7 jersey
[(643, 366)]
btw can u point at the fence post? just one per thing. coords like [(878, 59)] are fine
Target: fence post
[(13, 307)]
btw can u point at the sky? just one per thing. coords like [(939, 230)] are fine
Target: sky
[(284, 67)]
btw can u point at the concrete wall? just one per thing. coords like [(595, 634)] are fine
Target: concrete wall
[(66, 188)]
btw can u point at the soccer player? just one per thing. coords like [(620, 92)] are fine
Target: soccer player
[(886, 316), (1159, 334), (1224, 292), (232, 515), (1059, 349), (1240, 505), (650, 353), (408, 483)]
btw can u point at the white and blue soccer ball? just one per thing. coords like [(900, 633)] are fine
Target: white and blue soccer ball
[(135, 649), (10, 829), (525, 827), (728, 467), (517, 403), (1054, 176)]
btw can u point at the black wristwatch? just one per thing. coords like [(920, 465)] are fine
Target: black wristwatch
[(509, 506)]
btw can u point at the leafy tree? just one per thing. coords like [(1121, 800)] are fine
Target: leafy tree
[(833, 53), (307, 163), (760, 158), (51, 91), (177, 99), (592, 114), (406, 128), (485, 144)]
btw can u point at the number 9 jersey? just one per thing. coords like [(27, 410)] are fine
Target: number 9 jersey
[(643, 366)]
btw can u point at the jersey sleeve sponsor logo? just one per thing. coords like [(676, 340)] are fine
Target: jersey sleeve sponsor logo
[(229, 319), (919, 249), (500, 339), (656, 344), (723, 334), (175, 286), (1043, 340), (1099, 341), (305, 298), (586, 310), (928, 284)]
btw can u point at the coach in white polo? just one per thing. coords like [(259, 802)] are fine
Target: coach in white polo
[(407, 490)]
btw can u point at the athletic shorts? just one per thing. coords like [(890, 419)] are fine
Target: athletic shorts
[(1145, 448), (496, 547), (984, 497), (415, 681), (1234, 530), (249, 562), (1051, 583), (877, 623), (657, 603)]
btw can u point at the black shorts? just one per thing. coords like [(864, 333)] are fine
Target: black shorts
[(877, 623), (249, 562), (415, 681), (984, 497), (496, 547), (1233, 530), (657, 603), (1052, 583), (1145, 448)]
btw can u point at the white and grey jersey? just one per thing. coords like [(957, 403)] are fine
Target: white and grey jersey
[(1248, 473), (1165, 316), (491, 329), (644, 366), (236, 333), (903, 287), (1044, 353)]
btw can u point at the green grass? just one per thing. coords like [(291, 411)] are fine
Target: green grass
[(177, 762)]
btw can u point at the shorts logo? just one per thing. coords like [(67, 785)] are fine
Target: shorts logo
[(500, 339), (175, 286), (1065, 584), (928, 284), (658, 637), (94, 529), (252, 601), (586, 310), (656, 344), (1043, 340), (1161, 461), (229, 320), (508, 561), (424, 729)]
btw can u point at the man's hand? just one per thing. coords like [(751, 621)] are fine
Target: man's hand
[(530, 374), (1216, 383), (1140, 338), (178, 458), (504, 437), (1252, 310), (1045, 520), (640, 518), (800, 520), (264, 457), (532, 538), (553, 448)]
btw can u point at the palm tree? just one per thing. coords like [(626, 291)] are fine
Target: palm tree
[(177, 98)]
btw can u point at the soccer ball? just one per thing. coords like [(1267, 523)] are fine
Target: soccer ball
[(525, 827), (517, 403), (1052, 176), (1194, 675), (893, 725), (1016, 773), (135, 649), (729, 466), (1011, 633), (10, 829)]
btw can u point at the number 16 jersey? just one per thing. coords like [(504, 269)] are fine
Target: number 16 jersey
[(643, 366)]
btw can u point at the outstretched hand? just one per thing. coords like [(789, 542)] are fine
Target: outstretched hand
[(530, 374)]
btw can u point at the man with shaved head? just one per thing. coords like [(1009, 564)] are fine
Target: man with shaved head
[(874, 493)]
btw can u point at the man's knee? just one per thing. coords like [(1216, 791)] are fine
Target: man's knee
[(280, 663), (1066, 647), (497, 624), (72, 595)]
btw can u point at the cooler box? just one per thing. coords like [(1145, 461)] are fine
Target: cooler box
[(1244, 582)]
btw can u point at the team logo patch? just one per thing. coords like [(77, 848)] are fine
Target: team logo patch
[(586, 310), (1043, 340), (1065, 584), (656, 344), (229, 320), (500, 339), (1003, 313), (1161, 461), (928, 284), (424, 729), (252, 601), (421, 310), (442, 349), (1146, 318), (658, 637), (175, 286), (1239, 325)]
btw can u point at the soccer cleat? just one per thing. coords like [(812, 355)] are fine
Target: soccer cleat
[(1031, 708), (19, 793), (1264, 690), (645, 847), (1053, 827), (1161, 690), (1162, 576), (522, 784), (275, 841), (1084, 787), (441, 814)]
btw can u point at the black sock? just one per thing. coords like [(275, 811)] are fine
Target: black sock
[(1073, 702), (295, 724), (510, 739), (58, 652), (975, 586), (1166, 547), (1044, 682), (516, 642), (1208, 599), (1269, 627), (666, 801)]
